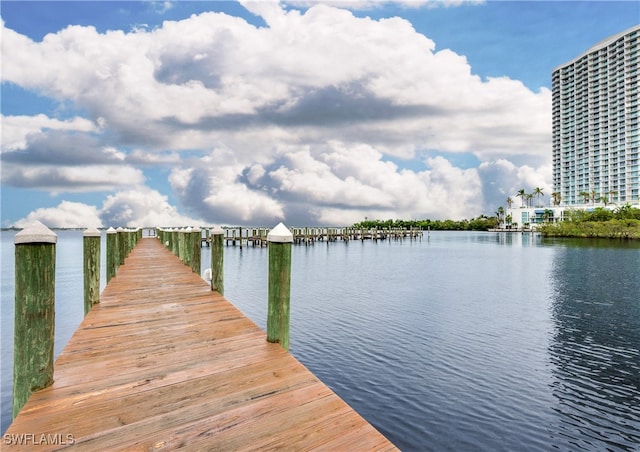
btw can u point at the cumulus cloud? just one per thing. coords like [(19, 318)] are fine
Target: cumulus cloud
[(70, 179), (213, 193), (181, 85), (142, 207), (326, 184), (131, 208), (60, 162), (66, 156), (66, 215), (17, 129), (298, 120), (503, 179)]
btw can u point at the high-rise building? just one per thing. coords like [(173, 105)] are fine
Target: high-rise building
[(596, 111)]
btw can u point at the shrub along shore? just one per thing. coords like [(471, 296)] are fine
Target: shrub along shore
[(622, 223)]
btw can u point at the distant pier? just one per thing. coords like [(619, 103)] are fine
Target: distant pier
[(239, 236)]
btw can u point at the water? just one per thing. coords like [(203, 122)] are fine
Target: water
[(458, 341)]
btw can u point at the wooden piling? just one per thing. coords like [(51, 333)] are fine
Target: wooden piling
[(112, 253), (91, 266), (35, 270), (160, 235), (196, 250), (280, 241), (121, 245), (175, 242), (126, 235), (217, 259), (132, 235), (185, 243), (181, 244)]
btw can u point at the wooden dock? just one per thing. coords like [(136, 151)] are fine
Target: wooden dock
[(163, 363)]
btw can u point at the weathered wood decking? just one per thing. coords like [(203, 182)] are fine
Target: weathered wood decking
[(163, 362)]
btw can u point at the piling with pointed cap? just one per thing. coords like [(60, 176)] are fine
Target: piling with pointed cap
[(217, 259), (91, 254), (35, 269), (280, 241), (113, 259)]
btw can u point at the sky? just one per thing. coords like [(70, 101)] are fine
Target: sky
[(253, 113)]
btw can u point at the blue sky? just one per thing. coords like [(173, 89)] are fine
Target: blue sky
[(259, 112)]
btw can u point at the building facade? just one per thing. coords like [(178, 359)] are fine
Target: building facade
[(595, 133)]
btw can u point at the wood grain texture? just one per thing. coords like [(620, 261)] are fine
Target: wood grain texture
[(163, 362), (91, 271), (34, 320)]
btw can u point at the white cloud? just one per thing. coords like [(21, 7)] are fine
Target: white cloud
[(328, 184), (66, 179), (296, 119), (162, 7), (66, 215), (502, 179), (131, 208), (200, 80), (16, 129), (215, 194), (142, 207), (65, 156)]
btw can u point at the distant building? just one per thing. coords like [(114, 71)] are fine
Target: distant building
[(595, 135), (595, 132)]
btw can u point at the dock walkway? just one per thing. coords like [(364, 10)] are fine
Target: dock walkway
[(163, 363)]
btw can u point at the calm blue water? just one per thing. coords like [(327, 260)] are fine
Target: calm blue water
[(458, 341)]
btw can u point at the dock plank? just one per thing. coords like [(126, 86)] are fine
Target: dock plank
[(163, 363)]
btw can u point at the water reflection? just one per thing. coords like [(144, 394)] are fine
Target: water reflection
[(595, 346)]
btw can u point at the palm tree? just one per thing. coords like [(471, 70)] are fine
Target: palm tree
[(529, 199), (500, 214), (509, 201), (592, 196), (537, 192), (585, 196), (548, 215), (556, 198), (522, 195)]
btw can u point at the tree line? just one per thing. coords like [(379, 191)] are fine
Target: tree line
[(481, 223)]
